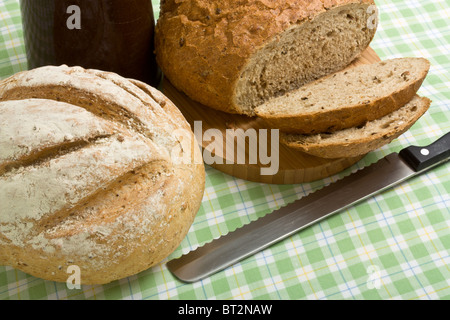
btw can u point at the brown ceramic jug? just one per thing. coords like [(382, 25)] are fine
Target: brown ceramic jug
[(110, 35)]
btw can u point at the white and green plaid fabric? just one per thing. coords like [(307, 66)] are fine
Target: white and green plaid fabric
[(393, 246)]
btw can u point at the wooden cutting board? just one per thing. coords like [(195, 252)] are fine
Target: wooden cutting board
[(293, 166)]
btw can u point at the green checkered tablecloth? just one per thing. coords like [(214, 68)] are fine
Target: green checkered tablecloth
[(395, 245)]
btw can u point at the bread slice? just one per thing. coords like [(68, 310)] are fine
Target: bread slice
[(361, 140), (347, 98)]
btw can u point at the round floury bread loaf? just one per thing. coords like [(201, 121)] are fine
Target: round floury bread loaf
[(96, 171), (234, 55)]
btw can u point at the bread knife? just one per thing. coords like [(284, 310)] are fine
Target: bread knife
[(285, 221)]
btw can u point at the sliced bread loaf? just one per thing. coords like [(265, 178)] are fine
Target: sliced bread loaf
[(233, 55), (347, 98), (360, 140)]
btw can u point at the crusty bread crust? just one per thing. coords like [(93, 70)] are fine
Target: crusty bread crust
[(88, 176), (203, 46)]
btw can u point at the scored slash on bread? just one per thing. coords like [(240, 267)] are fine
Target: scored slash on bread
[(361, 140), (346, 99)]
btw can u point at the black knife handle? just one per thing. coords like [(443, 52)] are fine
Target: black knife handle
[(420, 158)]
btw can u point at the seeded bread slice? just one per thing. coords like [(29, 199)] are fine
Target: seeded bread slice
[(347, 98), (361, 140)]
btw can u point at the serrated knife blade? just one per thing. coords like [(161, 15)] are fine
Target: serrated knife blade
[(285, 221)]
